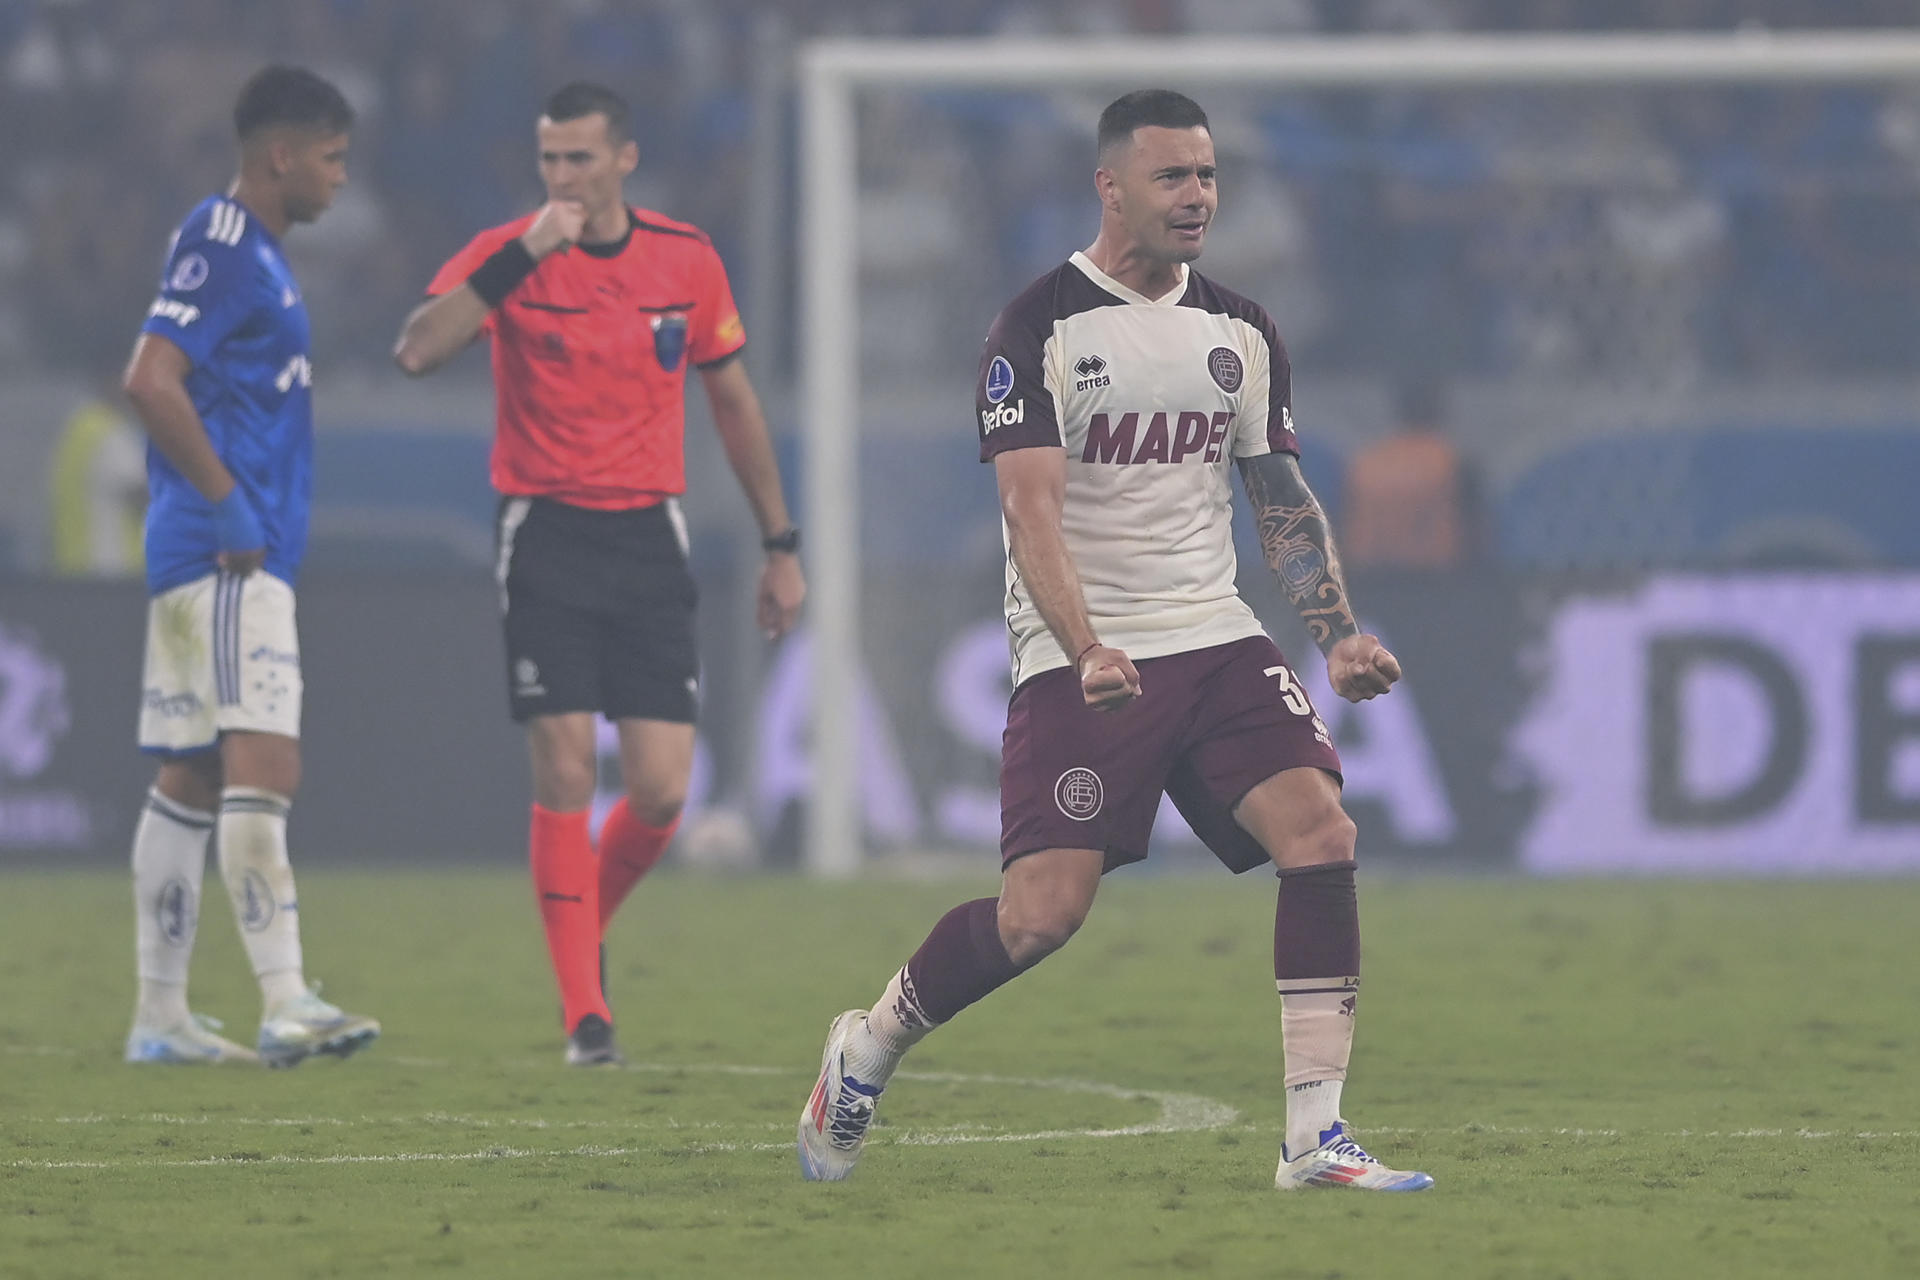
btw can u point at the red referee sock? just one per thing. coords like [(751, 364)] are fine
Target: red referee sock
[(566, 884), (628, 850)]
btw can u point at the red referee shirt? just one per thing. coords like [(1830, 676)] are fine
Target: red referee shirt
[(589, 360)]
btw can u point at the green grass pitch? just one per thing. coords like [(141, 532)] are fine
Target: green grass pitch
[(1607, 1080)]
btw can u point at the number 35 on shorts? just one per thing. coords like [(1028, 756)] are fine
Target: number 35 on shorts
[(1295, 698)]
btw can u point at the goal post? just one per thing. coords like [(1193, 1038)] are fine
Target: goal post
[(833, 72)]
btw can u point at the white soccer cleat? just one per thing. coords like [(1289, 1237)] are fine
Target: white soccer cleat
[(833, 1127), (1339, 1161), (298, 1028), (190, 1042)]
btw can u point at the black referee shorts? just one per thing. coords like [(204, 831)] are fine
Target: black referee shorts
[(598, 607)]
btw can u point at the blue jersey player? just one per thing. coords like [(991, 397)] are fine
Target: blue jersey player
[(221, 380)]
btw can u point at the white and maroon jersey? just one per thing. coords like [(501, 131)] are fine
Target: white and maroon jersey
[(1151, 399)]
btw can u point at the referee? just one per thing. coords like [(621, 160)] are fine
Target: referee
[(594, 310)]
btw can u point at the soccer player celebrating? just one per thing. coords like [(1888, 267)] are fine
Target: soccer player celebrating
[(594, 310), (221, 380), (1113, 394)]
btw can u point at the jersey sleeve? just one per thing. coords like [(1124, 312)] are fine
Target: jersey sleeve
[(454, 272), (1265, 421), (717, 332), (207, 291), (1013, 397)]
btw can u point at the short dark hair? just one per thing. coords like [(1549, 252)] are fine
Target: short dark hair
[(585, 98), (290, 96), (1144, 108)]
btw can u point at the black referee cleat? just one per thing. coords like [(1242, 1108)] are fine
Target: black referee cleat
[(591, 1044)]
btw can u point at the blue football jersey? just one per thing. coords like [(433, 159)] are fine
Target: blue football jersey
[(228, 299)]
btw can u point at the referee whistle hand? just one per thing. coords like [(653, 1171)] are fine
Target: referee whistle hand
[(558, 225), (1108, 680), (1360, 667), (782, 589)]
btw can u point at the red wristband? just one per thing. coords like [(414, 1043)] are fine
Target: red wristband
[(1083, 653)]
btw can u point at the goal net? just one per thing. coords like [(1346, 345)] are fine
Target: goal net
[(1556, 244)]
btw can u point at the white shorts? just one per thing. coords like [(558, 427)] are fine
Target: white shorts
[(222, 654)]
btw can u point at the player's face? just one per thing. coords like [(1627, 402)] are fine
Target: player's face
[(579, 162), (315, 168), (1163, 191)]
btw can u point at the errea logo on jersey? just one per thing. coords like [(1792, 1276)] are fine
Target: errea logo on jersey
[(298, 370), (178, 312), (1093, 373)]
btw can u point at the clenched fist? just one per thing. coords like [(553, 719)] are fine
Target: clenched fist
[(1359, 667)]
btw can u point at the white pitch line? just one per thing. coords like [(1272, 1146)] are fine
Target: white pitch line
[(1470, 1130), (430, 1118), (931, 1137), (1179, 1113), (397, 1157)]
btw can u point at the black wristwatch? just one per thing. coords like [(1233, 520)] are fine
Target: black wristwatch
[(788, 541)]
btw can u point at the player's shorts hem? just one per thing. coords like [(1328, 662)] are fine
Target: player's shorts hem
[(180, 753), (1110, 859), (1339, 780), (522, 715)]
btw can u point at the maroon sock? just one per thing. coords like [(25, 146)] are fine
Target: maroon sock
[(962, 960), (1316, 925)]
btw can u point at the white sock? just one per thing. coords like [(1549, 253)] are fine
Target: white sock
[(169, 860), (1316, 1023), (891, 1027), (253, 862), (1312, 1109)]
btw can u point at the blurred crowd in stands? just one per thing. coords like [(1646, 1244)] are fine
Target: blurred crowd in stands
[(1673, 233)]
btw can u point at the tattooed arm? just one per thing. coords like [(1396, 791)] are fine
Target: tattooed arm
[(1298, 541)]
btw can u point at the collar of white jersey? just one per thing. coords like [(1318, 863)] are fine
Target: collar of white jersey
[(1171, 298)]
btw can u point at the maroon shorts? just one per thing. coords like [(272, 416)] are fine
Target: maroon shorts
[(1208, 726)]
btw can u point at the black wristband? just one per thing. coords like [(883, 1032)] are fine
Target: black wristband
[(497, 277), (787, 541)]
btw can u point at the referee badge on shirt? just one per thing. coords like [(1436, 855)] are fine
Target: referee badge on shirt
[(669, 339)]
